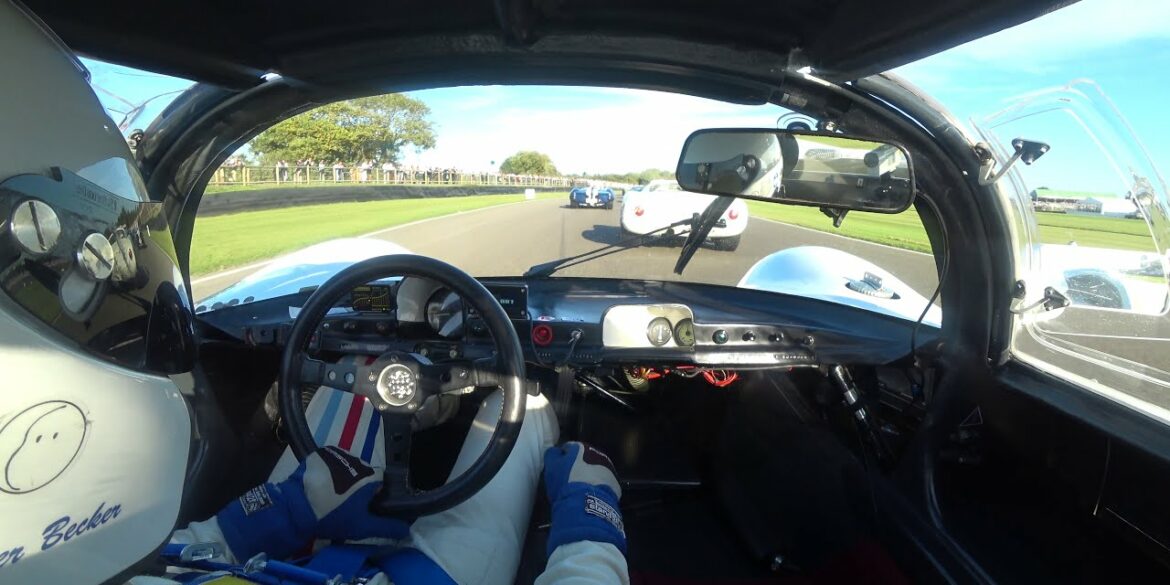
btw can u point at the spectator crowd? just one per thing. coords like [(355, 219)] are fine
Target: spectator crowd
[(235, 171)]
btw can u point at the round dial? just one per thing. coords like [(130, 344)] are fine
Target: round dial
[(684, 333), (96, 256), (35, 226), (445, 313), (78, 293), (659, 332)]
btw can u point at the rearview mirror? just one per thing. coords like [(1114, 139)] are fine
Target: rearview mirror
[(782, 166)]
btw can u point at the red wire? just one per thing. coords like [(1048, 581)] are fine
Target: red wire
[(716, 378), (720, 378), (651, 374)]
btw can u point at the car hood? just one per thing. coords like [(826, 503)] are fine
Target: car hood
[(305, 268), (839, 277), (234, 44)]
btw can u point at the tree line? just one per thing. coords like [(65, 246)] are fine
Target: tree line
[(376, 129), (380, 129)]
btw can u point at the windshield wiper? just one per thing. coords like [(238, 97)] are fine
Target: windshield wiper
[(703, 226), (548, 268)]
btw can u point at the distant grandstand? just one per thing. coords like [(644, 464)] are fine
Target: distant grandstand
[(1082, 202)]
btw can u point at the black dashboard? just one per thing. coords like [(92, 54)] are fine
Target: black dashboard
[(585, 322)]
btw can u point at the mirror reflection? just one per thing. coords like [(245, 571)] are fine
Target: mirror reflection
[(803, 169)]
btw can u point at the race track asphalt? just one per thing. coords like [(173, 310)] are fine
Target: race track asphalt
[(506, 240)]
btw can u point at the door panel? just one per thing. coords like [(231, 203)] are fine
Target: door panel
[(1043, 482)]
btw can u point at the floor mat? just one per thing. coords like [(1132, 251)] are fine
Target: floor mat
[(680, 535), (867, 564)]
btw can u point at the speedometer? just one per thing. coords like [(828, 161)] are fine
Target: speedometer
[(445, 313)]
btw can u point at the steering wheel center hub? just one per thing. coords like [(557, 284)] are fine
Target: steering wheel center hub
[(397, 384)]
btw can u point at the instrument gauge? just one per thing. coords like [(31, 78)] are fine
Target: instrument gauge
[(684, 333), (79, 295), (659, 331), (372, 298), (444, 312)]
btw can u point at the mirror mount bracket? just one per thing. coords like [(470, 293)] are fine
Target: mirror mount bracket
[(837, 214), (1026, 150), (1053, 299)]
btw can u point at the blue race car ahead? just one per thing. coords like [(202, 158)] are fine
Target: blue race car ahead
[(591, 197)]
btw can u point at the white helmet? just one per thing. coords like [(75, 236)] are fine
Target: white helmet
[(749, 158), (94, 434)]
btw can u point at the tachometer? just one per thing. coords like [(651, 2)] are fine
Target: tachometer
[(445, 313), (659, 331), (684, 333)]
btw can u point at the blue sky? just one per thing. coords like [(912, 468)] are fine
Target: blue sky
[(1122, 45)]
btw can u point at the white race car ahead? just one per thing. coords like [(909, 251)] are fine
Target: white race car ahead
[(663, 202)]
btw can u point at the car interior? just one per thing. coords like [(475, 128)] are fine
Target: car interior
[(759, 437)]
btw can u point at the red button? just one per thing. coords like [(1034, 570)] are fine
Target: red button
[(542, 334)]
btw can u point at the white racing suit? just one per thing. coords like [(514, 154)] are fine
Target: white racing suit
[(479, 541)]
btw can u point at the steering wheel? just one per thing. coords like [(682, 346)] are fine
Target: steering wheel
[(397, 383)]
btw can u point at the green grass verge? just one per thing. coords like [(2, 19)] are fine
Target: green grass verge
[(904, 230), (1099, 232), (1112, 225), (225, 241), (901, 230)]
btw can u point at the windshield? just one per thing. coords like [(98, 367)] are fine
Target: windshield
[(497, 180)]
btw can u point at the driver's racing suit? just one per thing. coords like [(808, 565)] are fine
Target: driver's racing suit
[(476, 542)]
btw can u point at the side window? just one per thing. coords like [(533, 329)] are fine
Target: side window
[(1094, 237), (132, 97)]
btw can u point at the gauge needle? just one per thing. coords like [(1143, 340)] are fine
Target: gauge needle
[(98, 255), (32, 209)]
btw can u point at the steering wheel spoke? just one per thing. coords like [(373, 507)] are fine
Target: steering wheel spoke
[(341, 375), (457, 377), (396, 436)]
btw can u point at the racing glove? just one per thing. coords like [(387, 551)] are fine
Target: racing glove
[(584, 492), (327, 497)]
